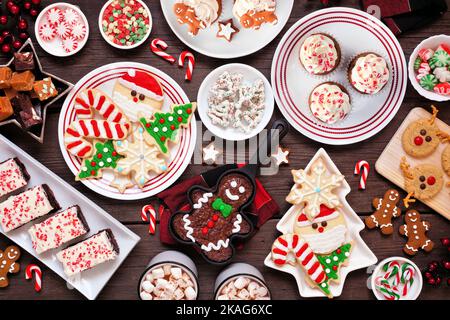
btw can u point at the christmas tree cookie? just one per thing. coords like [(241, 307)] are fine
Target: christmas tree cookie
[(164, 126), (105, 156)]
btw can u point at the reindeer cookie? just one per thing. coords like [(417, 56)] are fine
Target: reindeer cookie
[(8, 264), (446, 160), (216, 217), (386, 209), (415, 229), (422, 137)]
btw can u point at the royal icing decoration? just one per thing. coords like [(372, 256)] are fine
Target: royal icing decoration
[(318, 54), (104, 157)]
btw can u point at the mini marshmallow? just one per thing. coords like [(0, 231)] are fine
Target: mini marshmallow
[(161, 283), (262, 292), (190, 293), (244, 288), (146, 296), (149, 277), (176, 273), (178, 294), (243, 294), (166, 269), (222, 297), (148, 286), (241, 282), (253, 286), (158, 273)]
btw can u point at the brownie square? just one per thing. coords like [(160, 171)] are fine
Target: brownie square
[(24, 61)]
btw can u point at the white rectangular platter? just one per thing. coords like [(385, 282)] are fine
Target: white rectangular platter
[(90, 282)]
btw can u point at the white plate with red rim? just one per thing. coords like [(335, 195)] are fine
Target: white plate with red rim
[(54, 47), (104, 78), (90, 282), (356, 32), (360, 257), (243, 43)]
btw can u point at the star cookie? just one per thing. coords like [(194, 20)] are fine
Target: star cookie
[(281, 156), (227, 30), (210, 153), (315, 188), (121, 182)]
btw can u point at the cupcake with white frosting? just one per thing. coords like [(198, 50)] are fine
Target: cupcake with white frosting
[(368, 73), (320, 54), (330, 102), (252, 14)]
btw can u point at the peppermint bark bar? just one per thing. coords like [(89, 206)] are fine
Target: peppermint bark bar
[(58, 229), (27, 206), (87, 254), (13, 176)]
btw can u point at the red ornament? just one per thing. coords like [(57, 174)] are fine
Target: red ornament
[(14, 9), (6, 48), (17, 44), (3, 20), (22, 24)]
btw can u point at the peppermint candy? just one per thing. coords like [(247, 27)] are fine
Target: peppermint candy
[(71, 16), (442, 88), (442, 74), (70, 44), (417, 63), (428, 82), (78, 31), (47, 32), (440, 59), (63, 29), (54, 16)]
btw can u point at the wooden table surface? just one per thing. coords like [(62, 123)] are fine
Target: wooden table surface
[(123, 284)]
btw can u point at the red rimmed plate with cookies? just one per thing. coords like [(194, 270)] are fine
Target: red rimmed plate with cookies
[(339, 76), (226, 29), (127, 131)]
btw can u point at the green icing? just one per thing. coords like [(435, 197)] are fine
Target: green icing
[(440, 59), (105, 157), (164, 126)]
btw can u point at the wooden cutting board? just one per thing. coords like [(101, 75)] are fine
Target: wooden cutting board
[(388, 164)]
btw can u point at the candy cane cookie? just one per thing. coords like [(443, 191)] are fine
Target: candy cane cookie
[(115, 126)]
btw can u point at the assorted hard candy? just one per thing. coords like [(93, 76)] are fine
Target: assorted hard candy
[(433, 69)]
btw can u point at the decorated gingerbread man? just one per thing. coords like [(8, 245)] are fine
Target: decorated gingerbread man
[(8, 264), (386, 209), (186, 15), (415, 229), (256, 19), (216, 216)]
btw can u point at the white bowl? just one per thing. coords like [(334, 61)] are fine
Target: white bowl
[(415, 289), (432, 43), (54, 47), (125, 47), (250, 75)]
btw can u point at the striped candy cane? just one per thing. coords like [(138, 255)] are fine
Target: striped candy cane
[(407, 278), (186, 55), (158, 47), (148, 214), (365, 168), (383, 286), (38, 276), (392, 269)]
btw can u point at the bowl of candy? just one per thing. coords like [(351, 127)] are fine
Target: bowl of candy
[(125, 24), (429, 68)]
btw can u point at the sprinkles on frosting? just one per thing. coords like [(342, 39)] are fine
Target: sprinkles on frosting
[(369, 74), (319, 54), (329, 103)]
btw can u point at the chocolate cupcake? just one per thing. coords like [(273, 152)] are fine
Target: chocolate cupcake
[(368, 73), (330, 102), (320, 54)]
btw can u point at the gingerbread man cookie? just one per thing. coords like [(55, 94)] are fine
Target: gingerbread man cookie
[(216, 216), (255, 20), (386, 209), (415, 229), (186, 15), (8, 264)]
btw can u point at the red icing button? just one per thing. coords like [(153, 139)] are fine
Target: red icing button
[(93, 163), (215, 217), (335, 268), (172, 127), (204, 230), (161, 121), (210, 224), (431, 180), (93, 173), (135, 99), (148, 125), (180, 119), (163, 139), (338, 251), (189, 111), (320, 229), (99, 156), (114, 153), (418, 141)]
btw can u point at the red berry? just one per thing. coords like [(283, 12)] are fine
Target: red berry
[(36, 2), (14, 9), (1, 39), (428, 275), (431, 281), (17, 44), (6, 48), (6, 33), (447, 265), (23, 35), (448, 282), (418, 141), (9, 4), (3, 19), (34, 12), (438, 281), (431, 180), (22, 24), (27, 5), (445, 242)]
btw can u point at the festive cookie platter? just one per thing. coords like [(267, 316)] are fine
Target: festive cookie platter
[(419, 149), (351, 71), (224, 28), (320, 242), (127, 131), (80, 222)]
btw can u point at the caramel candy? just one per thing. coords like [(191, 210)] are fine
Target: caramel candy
[(22, 81), (10, 93), (45, 89), (6, 109), (5, 77)]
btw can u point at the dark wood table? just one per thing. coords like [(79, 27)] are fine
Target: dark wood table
[(123, 284)]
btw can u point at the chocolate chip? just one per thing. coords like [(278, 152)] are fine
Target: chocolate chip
[(423, 132), (314, 226), (422, 178), (133, 93), (141, 97), (423, 186), (428, 139), (324, 224)]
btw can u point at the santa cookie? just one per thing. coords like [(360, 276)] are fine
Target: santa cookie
[(8, 264), (386, 209), (415, 229), (138, 92), (216, 217)]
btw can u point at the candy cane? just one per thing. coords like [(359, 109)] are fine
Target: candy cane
[(364, 165), (392, 269), (38, 276), (388, 291), (148, 214), (407, 278), (158, 46), (191, 63), (303, 254)]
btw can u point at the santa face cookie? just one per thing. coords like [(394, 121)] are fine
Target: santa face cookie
[(415, 229), (216, 217), (446, 160), (138, 92)]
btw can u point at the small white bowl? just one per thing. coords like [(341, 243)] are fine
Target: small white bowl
[(137, 44), (250, 75), (432, 43), (415, 289), (54, 47)]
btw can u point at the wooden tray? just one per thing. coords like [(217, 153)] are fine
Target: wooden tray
[(388, 164)]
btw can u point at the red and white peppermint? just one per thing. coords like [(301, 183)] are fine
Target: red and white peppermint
[(63, 30), (90, 100), (32, 268), (426, 54), (186, 55), (364, 167), (148, 214), (79, 31), (47, 32), (70, 44), (158, 47), (70, 16), (54, 16), (442, 88)]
